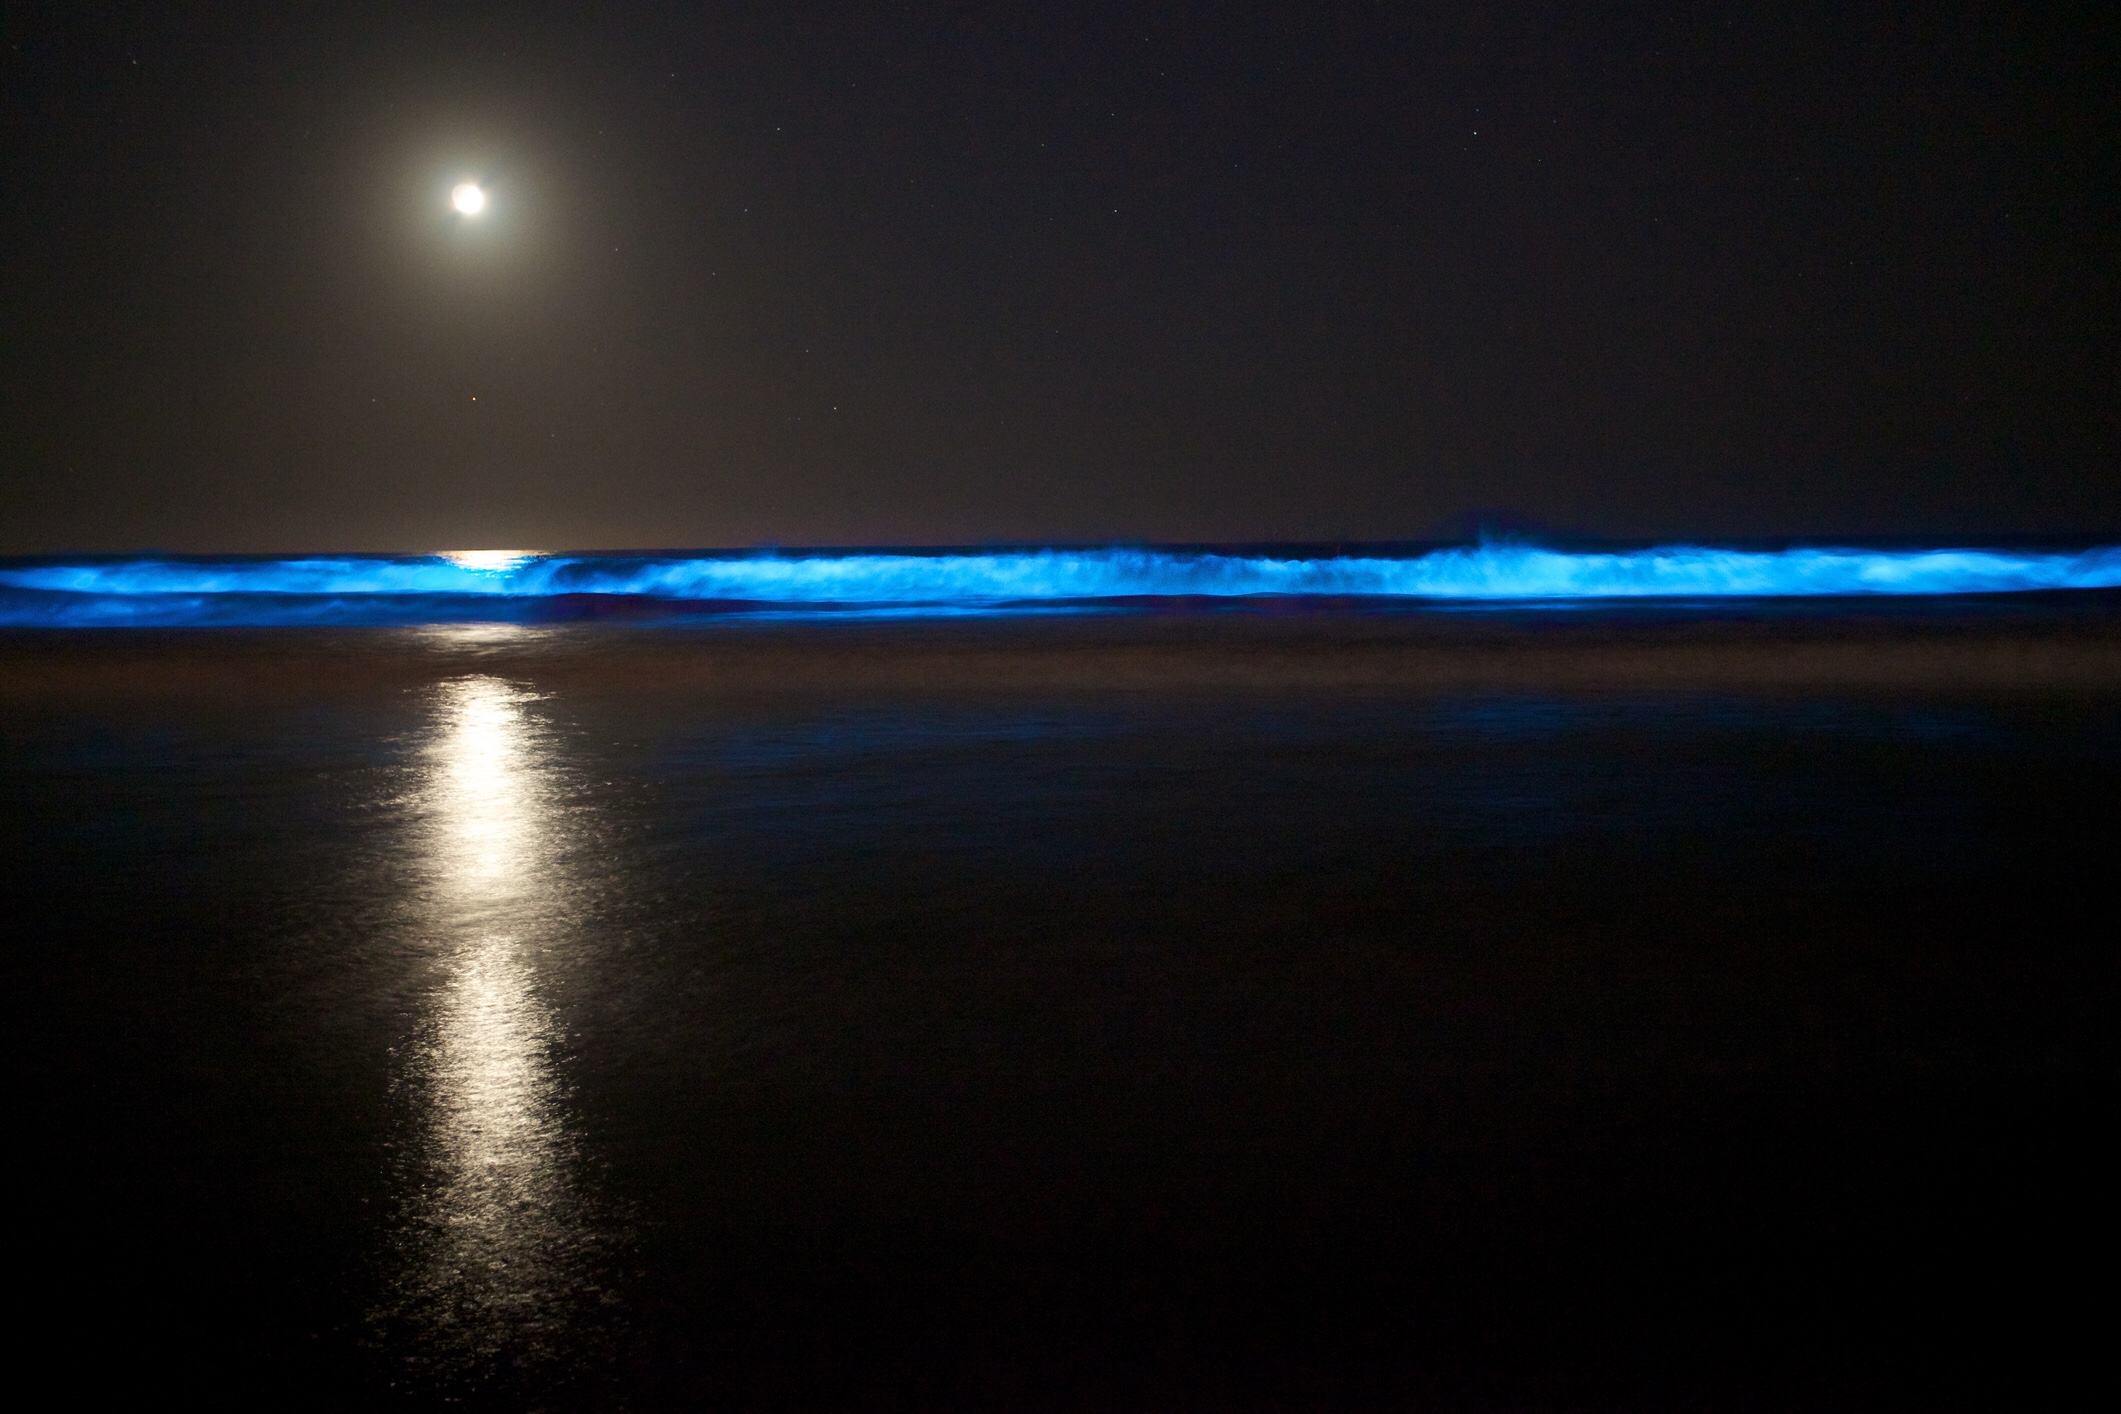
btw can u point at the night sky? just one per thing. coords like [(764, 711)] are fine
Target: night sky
[(944, 273)]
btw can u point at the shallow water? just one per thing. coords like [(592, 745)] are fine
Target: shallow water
[(1330, 1011)]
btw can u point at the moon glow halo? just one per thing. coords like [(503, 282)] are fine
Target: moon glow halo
[(468, 198)]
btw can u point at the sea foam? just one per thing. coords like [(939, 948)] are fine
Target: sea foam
[(441, 588)]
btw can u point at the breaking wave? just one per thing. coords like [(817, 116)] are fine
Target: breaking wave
[(172, 590)]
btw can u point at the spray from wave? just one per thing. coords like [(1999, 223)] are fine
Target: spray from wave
[(519, 585)]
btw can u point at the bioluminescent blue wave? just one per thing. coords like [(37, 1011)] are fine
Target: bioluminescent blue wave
[(445, 588)]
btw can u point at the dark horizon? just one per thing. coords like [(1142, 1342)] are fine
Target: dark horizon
[(1451, 535), (1084, 274)]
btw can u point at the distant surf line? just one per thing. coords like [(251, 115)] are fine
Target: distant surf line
[(457, 586)]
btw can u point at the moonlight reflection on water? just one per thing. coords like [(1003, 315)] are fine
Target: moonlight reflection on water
[(1540, 1010), (497, 1244)]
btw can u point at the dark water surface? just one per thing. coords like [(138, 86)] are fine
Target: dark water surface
[(1522, 1011)]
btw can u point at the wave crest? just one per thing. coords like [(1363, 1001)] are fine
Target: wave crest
[(421, 588)]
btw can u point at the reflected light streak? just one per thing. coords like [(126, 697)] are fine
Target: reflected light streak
[(497, 1239), (491, 560)]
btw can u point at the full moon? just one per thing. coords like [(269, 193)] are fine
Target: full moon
[(468, 199)]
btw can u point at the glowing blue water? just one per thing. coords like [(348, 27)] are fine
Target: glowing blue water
[(433, 588)]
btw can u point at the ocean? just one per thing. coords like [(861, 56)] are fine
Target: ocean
[(1031, 980)]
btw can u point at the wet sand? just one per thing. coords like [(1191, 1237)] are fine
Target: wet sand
[(2012, 645), (1532, 1010)]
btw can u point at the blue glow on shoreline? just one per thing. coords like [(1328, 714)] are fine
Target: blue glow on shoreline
[(437, 588)]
